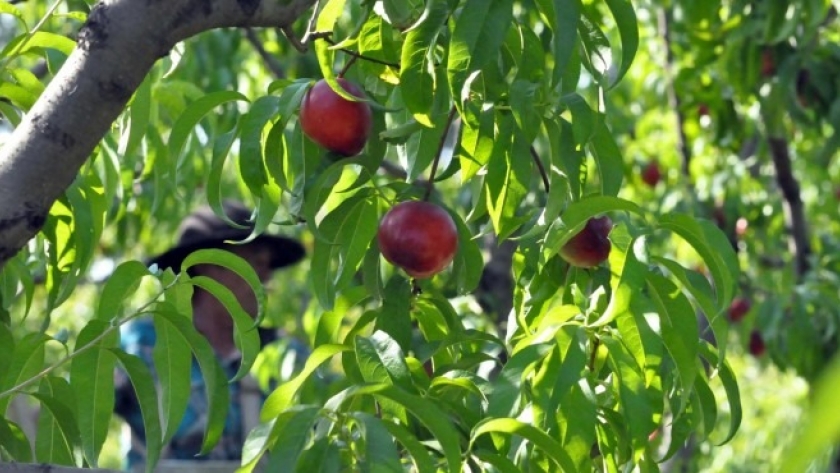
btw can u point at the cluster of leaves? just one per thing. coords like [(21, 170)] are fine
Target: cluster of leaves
[(775, 81), (593, 364)]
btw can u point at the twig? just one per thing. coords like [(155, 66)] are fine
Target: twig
[(88, 346), (798, 243), (361, 56), (431, 184), (347, 66), (673, 98), (596, 343), (289, 34), (541, 168), (270, 61)]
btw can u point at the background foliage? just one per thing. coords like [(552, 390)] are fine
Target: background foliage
[(579, 369)]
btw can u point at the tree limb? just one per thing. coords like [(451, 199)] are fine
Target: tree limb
[(117, 47), (674, 101), (270, 61), (798, 243)]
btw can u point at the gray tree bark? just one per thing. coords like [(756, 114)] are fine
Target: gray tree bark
[(116, 48)]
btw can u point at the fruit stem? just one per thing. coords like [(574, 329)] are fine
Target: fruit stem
[(347, 66), (431, 184), (541, 168)]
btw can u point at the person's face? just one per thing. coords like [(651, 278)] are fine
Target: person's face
[(259, 256)]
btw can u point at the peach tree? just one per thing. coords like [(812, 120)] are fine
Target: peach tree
[(496, 112)]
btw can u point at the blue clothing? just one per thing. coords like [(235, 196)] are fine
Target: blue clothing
[(138, 338)]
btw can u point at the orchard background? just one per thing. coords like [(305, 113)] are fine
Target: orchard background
[(706, 130)]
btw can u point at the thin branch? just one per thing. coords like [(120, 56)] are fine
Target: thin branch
[(347, 66), (270, 61), (593, 357), (541, 168), (114, 326), (361, 56), (431, 184), (289, 33), (800, 246), (674, 101)]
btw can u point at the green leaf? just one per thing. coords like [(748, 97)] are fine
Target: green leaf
[(395, 316), (478, 35), (251, 162), (122, 283), (292, 429), (327, 19), (625, 280), (566, 155), (236, 264), (703, 296), (58, 440), (713, 246), (381, 360), (597, 52), (281, 398), (608, 156), (92, 379), (14, 441), (417, 68), (419, 455), (477, 142), (678, 326), (346, 234), (322, 456), (144, 387), (550, 447), (173, 358), (730, 386), (562, 17), (9, 9), (222, 145), (635, 403), (27, 360), (468, 264), (628, 30), (33, 42), (246, 337), (274, 147), (428, 414), (501, 463), (193, 114), (508, 178), (18, 95), (139, 111), (523, 99), (380, 453), (507, 389), (215, 379)]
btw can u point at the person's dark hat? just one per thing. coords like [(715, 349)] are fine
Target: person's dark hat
[(204, 229)]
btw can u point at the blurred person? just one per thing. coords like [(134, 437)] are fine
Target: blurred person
[(266, 253)]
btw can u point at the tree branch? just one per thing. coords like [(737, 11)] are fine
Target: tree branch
[(117, 47), (674, 101), (799, 245), (270, 61)]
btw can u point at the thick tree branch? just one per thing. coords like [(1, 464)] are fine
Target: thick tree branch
[(799, 245), (117, 47)]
